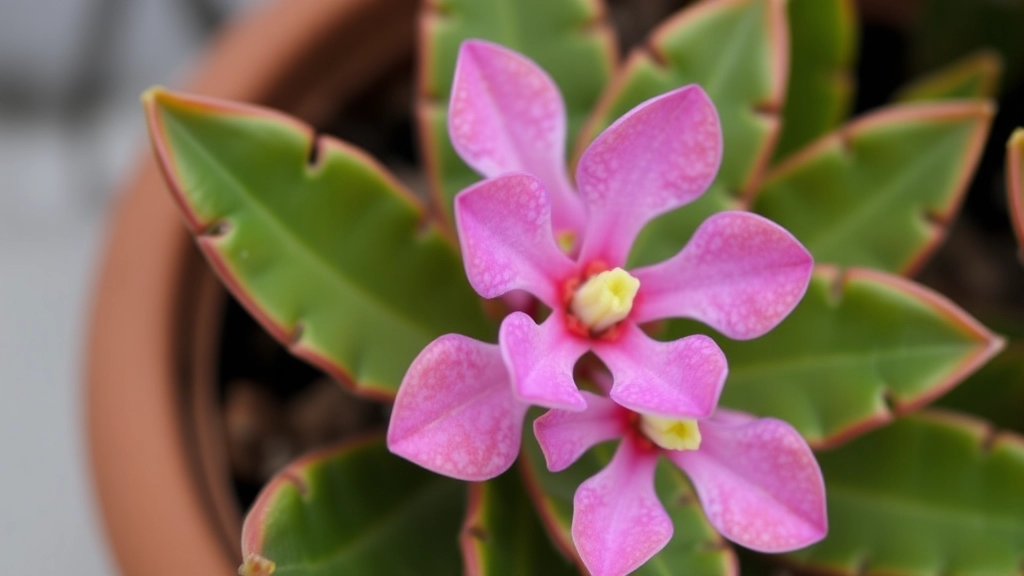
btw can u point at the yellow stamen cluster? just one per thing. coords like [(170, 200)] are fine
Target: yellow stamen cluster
[(605, 299), (671, 434)]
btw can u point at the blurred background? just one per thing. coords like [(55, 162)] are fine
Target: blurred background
[(71, 72), (71, 127)]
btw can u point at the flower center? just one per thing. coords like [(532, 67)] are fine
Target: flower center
[(671, 434), (605, 299)]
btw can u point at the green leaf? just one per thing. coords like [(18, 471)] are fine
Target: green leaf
[(934, 493), (859, 346), (356, 509), (333, 257), (823, 42), (568, 38), (737, 51), (503, 536), (996, 392), (880, 192), (1015, 183), (949, 29), (974, 76), (695, 548)]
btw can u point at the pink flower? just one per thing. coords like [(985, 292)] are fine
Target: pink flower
[(740, 273), (462, 402), (756, 479)]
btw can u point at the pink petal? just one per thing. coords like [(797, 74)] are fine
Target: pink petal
[(455, 413), (506, 115), (505, 231), (618, 522), (540, 361), (564, 436), (740, 273), (659, 156), (758, 482), (680, 379)]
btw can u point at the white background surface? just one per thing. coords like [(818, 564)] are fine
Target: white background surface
[(57, 175)]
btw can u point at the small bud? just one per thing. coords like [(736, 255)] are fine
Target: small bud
[(671, 434), (605, 299)]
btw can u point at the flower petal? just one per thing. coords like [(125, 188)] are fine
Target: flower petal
[(564, 436), (740, 273), (680, 379), (506, 115), (758, 482), (505, 232), (618, 522), (659, 156), (540, 361), (455, 413)]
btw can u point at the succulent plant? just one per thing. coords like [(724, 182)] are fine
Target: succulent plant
[(359, 277)]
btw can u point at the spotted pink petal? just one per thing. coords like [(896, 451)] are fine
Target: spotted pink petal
[(740, 273), (618, 522), (505, 231), (564, 436), (659, 156), (506, 115), (758, 482), (540, 360), (455, 413), (679, 379)]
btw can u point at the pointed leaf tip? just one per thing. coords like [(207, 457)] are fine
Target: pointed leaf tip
[(881, 191), (881, 345), (303, 246)]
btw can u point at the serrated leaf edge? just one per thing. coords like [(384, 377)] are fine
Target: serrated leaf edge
[(985, 436), (206, 233), (990, 345), (982, 111), (293, 475)]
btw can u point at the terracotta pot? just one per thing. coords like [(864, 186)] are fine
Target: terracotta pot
[(158, 465)]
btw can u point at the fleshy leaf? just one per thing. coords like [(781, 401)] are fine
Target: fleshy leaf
[(881, 191), (974, 76), (355, 509), (996, 392), (332, 257), (569, 39), (934, 493), (502, 534), (737, 51), (1015, 182), (823, 43), (857, 348), (695, 547)]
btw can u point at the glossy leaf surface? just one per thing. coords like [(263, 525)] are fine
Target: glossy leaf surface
[(1015, 183), (823, 38), (933, 493), (737, 50), (503, 536), (857, 347), (695, 547), (334, 257), (356, 509), (880, 192), (974, 76), (567, 38)]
